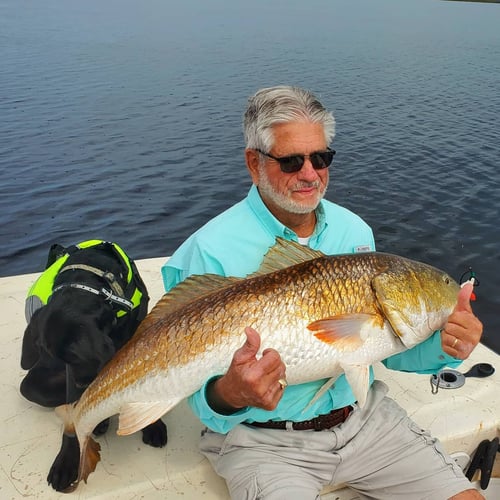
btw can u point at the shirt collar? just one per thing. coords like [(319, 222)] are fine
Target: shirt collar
[(274, 226)]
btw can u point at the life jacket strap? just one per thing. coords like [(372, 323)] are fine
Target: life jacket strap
[(108, 294), (109, 277)]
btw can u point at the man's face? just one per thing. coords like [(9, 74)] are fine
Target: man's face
[(299, 192)]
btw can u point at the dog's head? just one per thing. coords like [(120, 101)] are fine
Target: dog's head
[(78, 336)]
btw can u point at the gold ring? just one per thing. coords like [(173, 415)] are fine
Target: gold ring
[(454, 342), (282, 382)]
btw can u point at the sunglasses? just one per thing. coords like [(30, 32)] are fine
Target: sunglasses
[(293, 163)]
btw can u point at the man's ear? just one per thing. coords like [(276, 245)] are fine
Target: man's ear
[(252, 159)]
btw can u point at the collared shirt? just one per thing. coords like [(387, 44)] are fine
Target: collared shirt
[(234, 244)]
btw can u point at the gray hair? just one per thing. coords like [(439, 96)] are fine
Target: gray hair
[(282, 104)]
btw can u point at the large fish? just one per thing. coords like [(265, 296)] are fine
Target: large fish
[(324, 314)]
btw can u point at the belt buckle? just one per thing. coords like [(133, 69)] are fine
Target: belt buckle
[(318, 424)]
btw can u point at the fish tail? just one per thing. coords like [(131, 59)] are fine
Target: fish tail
[(89, 449)]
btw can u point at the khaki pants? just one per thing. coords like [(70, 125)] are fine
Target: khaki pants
[(378, 451)]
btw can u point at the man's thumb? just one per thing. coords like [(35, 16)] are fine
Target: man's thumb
[(463, 300), (252, 343)]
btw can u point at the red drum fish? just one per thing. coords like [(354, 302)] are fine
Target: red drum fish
[(325, 315)]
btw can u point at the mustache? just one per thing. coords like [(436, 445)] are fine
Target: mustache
[(301, 185)]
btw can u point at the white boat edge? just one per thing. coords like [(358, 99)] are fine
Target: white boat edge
[(461, 418)]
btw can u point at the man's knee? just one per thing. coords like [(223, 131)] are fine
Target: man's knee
[(273, 484)]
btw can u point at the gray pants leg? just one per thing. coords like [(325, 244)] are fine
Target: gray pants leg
[(378, 451)]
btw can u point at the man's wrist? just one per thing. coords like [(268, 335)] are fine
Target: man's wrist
[(215, 401)]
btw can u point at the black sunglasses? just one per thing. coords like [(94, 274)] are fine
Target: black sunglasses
[(293, 163)]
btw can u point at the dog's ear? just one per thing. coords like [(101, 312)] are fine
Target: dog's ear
[(68, 333), (61, 327), (106, 320), (30, 353), (55, 252)]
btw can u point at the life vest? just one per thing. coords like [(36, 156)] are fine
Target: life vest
[(41, 291)]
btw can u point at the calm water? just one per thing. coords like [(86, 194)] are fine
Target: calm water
[(121, 120)]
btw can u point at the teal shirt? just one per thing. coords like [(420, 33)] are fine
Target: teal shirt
[(234, 244)]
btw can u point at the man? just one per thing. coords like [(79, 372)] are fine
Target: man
[(253, 439)]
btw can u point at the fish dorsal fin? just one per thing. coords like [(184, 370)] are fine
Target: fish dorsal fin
[(283, 254), (192, 288), (136, 416)]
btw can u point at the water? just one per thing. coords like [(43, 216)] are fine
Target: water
[(121, 120)]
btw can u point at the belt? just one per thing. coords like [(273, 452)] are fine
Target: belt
[(319, 423)]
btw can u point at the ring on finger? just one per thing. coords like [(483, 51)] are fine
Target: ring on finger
[(282, 382), (454, 342)]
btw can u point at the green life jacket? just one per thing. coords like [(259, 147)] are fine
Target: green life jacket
[(42, 289)]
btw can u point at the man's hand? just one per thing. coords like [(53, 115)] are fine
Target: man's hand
[(249, 381), (463, 329)]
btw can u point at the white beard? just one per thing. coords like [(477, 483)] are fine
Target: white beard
[(285, 201)]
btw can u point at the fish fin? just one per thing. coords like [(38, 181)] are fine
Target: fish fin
[(358, 377), (192, 288), (65, 413), (89, 449), (321, 391), (195, 287), (344, 328), (283, 254), (135, 416), (88, 459)]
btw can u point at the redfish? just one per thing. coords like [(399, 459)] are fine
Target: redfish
[(325, 315)]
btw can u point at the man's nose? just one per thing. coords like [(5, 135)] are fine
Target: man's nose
[(307, 172)]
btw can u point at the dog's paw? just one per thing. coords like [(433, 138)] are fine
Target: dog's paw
[(64, 470), (155, 434), (101, 428)]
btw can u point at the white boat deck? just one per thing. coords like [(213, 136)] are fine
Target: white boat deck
[(31, 435)]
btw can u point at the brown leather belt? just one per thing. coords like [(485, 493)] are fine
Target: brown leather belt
[(319, 423)]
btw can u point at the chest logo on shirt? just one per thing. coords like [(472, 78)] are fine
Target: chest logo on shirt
[(362, 248)]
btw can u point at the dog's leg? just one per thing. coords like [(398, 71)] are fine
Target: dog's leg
[(64, 470), (155, 434)]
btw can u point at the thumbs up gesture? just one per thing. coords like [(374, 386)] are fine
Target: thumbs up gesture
[(463, 329), (250, 380)]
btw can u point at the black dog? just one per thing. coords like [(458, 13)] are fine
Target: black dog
[(84, 307)]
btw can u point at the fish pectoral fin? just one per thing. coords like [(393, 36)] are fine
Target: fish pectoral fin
[(358, 377), (135, 416), (344, 329)]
